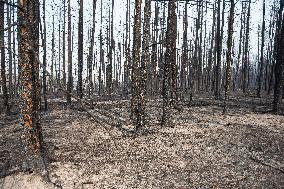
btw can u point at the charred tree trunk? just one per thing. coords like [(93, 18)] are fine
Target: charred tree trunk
[(3, 66), (136, 101), (109, 67), (28, 17), (218, 44), (146, 52), (10, 51), (184, 53), (246, 52), (80, 50), (169, 79), (211, 52), (91, 52), (63, 45), (229, 55), (279, 67), (44, 88), (262, 53), (69, 40)]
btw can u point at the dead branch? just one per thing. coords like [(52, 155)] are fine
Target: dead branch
[(266, 164), (10, 26), (12, 5)]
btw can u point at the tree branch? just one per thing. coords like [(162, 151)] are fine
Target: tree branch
[(12, 5), (263, 163), (10, 26)]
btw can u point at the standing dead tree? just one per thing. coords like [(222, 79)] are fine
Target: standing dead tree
[(218, 46), (28, 18), (69, 40), (44, 61), (261, 63), (169, 72), (3, 66), (80, 50), (91, 52), (279, 67), (136, 98), (229, 55)]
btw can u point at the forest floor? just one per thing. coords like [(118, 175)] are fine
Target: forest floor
[(203, 149)]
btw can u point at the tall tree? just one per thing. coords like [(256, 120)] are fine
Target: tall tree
[(145, 55), (28, 18), (109, 68), (211, 51), (80, 50), (279, 67), (136, 108), (91, 51), (169, 79), (3, 66), (44, 88), (53, 64), (184, 52), (261, 63), (63, 45), (69, 40), (246, 52), (229, 54), (218, 53), (9, 31), (240, 48)]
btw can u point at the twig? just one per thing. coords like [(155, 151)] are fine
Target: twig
[(9, 27), (263, 163), (12, 5)]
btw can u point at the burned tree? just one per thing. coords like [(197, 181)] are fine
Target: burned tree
[(169, 79), (136, 99), (229, 54), (3, 66), (28, 18), (80, 50), (279, 67), (69, 40), (261, 63)]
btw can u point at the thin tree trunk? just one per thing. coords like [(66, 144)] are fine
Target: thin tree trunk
[(91, 51), (184, 53), (229, 55), (10, 52), (218, 53), (63, 45), (80, 50), (262, 53), (168, 90), (136, 109), (246, 55), (69, 40), (109, 76), (279, 66), (3, 66), (44, 89)]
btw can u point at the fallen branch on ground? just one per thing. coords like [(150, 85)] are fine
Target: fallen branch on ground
[(266, 164)]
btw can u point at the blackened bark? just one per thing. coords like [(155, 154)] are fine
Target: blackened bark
[(169, 78), (229, 55), (69, 40), (279, 66), (262, 53), (3, 66), (80, 50)]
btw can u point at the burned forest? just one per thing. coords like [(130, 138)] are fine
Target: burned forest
[(160, 94)]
